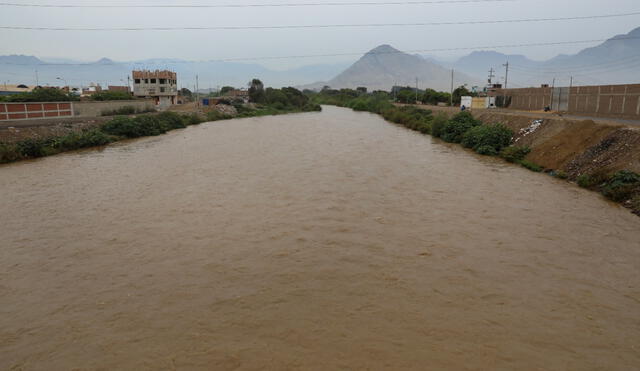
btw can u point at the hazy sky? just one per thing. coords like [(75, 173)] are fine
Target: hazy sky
[(206, 45)]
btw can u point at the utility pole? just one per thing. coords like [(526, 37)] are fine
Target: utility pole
[(553, 87), (394, 91), (569, 97), (506, 74), (37, 81), (451, 95), (416, 90), (197, 95), (491, 76)]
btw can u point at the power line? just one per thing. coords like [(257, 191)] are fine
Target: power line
[(336, 54), (219, 28), (276, 5)]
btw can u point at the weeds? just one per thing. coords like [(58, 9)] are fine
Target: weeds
[(531, 166), (515, 153)]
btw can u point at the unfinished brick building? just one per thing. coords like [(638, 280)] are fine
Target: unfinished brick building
[(161, 86)]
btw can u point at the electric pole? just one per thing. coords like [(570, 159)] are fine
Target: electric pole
[(416, 90), (553, 87), (451, 93), (506, 74), (491, 76), (197, 94), (394, 92), (37, 82)]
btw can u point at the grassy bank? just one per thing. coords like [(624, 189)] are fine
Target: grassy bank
[(124, 127), (485, 139)]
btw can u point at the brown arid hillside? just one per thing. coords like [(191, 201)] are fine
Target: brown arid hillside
[(384, 67), (575, 146)]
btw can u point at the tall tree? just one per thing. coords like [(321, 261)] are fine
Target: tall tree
[(256, 91)]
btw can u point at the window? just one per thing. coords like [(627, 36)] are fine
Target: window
[(153, 81), (137, 81), (163, 81), (161, 90), (146, 81)]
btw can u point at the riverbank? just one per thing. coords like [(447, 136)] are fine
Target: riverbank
[(601, 157), (33, 142), (575, 146)]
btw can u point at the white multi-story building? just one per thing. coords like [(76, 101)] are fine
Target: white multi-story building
[(162, 86)]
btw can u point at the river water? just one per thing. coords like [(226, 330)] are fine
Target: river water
[(315, 241)]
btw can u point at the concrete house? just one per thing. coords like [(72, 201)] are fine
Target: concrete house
[(161, 86)]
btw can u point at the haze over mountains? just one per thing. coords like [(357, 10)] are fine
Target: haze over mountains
[(614, 61)]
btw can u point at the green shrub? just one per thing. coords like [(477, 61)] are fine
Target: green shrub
[(531, 166), (42, 95), (515, 153), (455, 128), (150, 125), (486, 150), (584, 181), (217, 115), (622, 186), (560, 174), (32, 147), (193, 119), (88, 138), (311, 107), (9, 153), (437, 125), (171, 120), (495, 136), (123, 127), (111, 95)]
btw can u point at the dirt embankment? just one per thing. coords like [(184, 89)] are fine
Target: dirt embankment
[(574, 146), (40, 129)]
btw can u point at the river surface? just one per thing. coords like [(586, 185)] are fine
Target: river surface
[(315, 241)]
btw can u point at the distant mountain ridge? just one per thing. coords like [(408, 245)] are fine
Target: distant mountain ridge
[(615, 61), (21, 69)]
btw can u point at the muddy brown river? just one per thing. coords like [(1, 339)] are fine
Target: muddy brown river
[(315, 241)]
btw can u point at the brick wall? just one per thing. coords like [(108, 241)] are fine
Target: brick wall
[(31, 111), (36, 111), (620, 101)]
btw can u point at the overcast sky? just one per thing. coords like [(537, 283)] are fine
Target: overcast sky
[(207, 45)]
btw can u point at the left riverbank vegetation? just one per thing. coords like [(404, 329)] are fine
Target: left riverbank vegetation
[(267, 102), (40, 95), (486, 139)]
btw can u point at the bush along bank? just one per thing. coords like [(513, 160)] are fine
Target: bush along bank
[(486, 139), (126, 127), (265, 102), (119, 128)]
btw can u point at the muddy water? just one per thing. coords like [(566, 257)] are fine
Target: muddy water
[(317, 241)]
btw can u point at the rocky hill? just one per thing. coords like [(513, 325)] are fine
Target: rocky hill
[(385, 66)]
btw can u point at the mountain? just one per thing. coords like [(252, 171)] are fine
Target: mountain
[(615, 61), (22, 70), (19, 59), (384, 67)]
